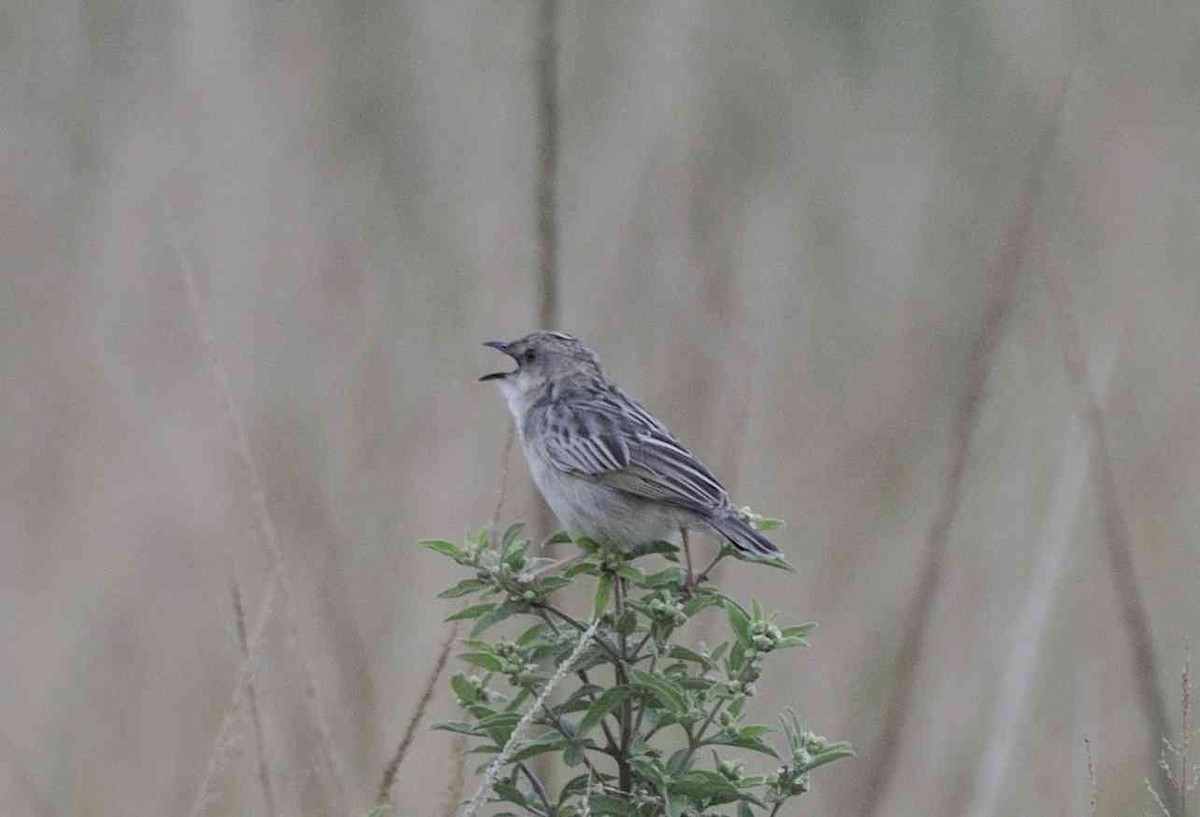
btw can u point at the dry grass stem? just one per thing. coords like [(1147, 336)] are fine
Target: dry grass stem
[(260, 739), (222, 741), (267, 531), (410, 731), (458, 773), (1115, 528), (1005, 720), (493, 769), (1003, 279)]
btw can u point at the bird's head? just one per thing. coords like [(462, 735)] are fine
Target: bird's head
[(545, 360)]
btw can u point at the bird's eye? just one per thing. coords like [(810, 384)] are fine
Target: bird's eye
[(529, 356)]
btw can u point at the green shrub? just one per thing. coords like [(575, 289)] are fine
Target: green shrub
[(648, 724)]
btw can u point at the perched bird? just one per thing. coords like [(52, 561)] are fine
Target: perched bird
[(608, 469)]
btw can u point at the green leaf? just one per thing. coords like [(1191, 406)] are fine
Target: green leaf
[(482, 659), (474, 611), (606, 703), (574, 570), (742, 741), (464, 689), (706, 786), (832, 752), (549, 742), (463, 588), (627, 623), (573, 754), (799, 631), (681, 653), (603, 594), (651, 548), (576, 787), (670, 576), (445, 548), (744, 810), (531, 635), (510, 535), (739, 622), (500, 613), (549, 584), (602, 805), (679, 761), (458, 727), (508, 792), (669, 694), (632, 573), (559, 537), (697, 603)]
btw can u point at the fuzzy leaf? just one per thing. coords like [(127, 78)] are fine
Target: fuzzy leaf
[(510, 536), (668, 693), (603, 805), (482, 659), (559, 537), (739, 622), (445, 548), (606, 703), (474, 611), (463, 588)]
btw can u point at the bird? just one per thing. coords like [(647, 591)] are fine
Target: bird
[(609, 469)]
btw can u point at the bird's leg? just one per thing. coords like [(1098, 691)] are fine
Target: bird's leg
[(689, 586)]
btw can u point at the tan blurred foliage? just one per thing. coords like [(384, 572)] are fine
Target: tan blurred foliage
[(793, 206)]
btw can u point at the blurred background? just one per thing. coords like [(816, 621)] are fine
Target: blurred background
[(918, 276)]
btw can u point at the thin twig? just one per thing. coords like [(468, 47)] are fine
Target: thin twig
[(384, 796), (538, 788), (268, 534), (493, 770), (1003, 278), (260, 738)]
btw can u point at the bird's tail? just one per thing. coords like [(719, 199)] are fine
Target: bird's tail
[(749, 542)]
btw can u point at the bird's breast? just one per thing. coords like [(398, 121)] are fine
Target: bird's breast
[(588, 507)]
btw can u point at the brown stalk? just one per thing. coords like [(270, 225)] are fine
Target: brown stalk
[(384, 796), (260, 740), (1003, 280), (269, 537), (1115, 528)]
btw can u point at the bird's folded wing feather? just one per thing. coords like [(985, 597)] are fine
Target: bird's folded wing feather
[(617, 442)]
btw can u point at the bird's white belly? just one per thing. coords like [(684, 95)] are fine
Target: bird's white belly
[(588, 508)]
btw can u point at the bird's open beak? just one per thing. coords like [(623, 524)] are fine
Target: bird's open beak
[(499, 346)]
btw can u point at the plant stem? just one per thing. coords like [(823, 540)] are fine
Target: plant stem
[(578, 625), (707, 723), (538, 788), (624, 770), (690, 585)]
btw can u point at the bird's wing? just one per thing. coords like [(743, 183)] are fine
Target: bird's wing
[(613, 440)]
